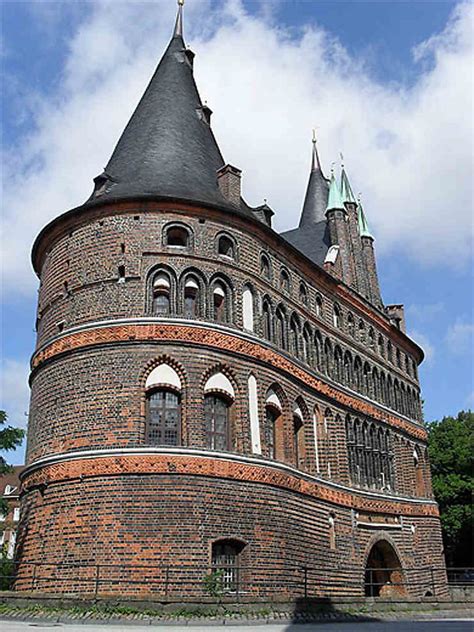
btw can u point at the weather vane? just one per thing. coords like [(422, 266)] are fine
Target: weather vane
[(342, 159), (314, 135)]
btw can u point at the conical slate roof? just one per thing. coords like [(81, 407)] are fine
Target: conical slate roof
[(168, 148), (346, 189), (334, 199), (315, 201)]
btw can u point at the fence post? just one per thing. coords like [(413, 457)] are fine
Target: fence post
[(167, 578), (97, 573), (305, 575), (34, 576)]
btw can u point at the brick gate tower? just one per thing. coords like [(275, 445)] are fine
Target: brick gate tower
[(210, 395)]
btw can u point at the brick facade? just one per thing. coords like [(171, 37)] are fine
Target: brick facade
[(205, 396)]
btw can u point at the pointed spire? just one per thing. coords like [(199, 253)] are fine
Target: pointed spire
[(315, 200), (334, 198), (363, 225), (346, 189), (178, 27), (168, 149), (315, 164)]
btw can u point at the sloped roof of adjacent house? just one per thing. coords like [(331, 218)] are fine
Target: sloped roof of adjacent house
[(11, 481)]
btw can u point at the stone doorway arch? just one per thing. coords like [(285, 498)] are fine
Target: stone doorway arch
[(383, 572)]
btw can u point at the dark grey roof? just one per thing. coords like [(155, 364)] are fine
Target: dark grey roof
[(168, 148), (313, 241), (316, 199)]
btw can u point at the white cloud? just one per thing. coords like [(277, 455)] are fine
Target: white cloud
[(424, 342), (425, 312), (408, 149), (460, 338), (14, 391)]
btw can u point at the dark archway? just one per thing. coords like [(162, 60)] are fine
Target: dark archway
[(383, 572)]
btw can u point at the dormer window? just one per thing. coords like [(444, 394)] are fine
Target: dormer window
[(226, 247), (265, 267), (177, 236), (284, 280)]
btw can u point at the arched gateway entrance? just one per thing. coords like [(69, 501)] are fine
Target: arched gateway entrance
[(383, 572)]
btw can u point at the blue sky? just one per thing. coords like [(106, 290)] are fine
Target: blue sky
[(380, 80)]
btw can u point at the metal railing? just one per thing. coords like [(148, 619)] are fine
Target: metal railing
[(171, 582)]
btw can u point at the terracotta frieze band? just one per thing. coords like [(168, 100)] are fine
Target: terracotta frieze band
[(237, 470), (216, 339)]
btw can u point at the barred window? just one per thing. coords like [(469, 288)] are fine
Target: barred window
[(164, 417), (225, 560), (216, 411)]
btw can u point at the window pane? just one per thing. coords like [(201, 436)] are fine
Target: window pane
[(161, 304), (216, 413), (164, 413)]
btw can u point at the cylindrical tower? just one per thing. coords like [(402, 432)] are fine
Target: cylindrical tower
[(206, 398)]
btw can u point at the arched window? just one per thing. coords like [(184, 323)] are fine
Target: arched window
[(366, 386), (294, 335), (371, 338), (298, 440), (389, 352), (319, 305), (348, 370), (350, 325), (163, 417), (266, 320), (358, 374), (303, 294), (219, 302), (274, 431), (327, 359), (177, 235), (226, 247), (338, 371), (381, 346), (361, 331), (265, 266), (318, 351), (216, 412), (307, 344), (399, 358), (191, 298), (284, 280), (336, 316), (247, 308), (226, 561), (280, 328), (271, 418), (161, 295)]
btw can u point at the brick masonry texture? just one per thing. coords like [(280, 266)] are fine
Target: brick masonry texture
[(88, 394)]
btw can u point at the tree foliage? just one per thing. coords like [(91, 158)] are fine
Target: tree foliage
[(451, 449), (10, 439)]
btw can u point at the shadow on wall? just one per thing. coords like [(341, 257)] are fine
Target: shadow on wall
[(322, 610)]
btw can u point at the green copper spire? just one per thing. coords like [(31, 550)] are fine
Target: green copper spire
[(334, 199), (363, 225), (346, 190)]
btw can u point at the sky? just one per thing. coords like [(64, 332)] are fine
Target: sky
[(387, 83)]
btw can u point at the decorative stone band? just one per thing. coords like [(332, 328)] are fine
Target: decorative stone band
[(186, 462), (217, 339)]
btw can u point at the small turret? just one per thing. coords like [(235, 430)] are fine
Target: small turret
[(368, 255), (336, 215)]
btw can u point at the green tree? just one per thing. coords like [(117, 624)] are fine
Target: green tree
[(10, 438), (451, 449)]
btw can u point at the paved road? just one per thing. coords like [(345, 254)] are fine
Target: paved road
[(465, 625)]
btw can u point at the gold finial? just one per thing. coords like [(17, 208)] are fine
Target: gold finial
[(314, 135), (180, 3)]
